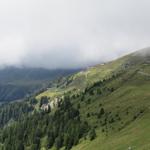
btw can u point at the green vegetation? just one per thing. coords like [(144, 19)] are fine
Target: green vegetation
[(62, 128), (104, 107), (13, 111)]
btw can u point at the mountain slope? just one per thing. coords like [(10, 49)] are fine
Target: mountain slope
[(131, 103), (129, 77), (112, 99), (86, 78)]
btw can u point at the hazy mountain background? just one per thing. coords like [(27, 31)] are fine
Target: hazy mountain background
[(16, 83)]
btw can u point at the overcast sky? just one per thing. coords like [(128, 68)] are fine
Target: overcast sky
[(71, 33)]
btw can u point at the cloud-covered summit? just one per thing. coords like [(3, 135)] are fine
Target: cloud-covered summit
[(71, 33)]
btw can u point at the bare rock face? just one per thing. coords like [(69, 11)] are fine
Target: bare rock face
[(45, 107), (55, 102), (52, 104)]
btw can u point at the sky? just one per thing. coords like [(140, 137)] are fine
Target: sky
[(71, 33)]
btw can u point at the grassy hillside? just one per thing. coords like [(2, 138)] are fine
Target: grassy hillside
[(86, 78), (126, 106), (131, 103), (112, 99)]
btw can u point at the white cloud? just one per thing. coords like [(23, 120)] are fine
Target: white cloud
[(11, 50), (71, 33)]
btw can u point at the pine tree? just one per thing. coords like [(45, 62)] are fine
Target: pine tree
[(58, 142), (92, 134), (102, 111)]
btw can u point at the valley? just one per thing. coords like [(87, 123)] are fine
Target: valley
[(18, 83)]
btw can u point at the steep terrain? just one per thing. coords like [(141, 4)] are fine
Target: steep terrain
[(105, 107)]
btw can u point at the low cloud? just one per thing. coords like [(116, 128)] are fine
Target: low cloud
[(71, 33)]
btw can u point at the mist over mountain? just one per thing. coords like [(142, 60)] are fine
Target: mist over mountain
[(71, 34)]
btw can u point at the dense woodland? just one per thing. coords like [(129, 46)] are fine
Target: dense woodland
[(13, 111), (60, 128)]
